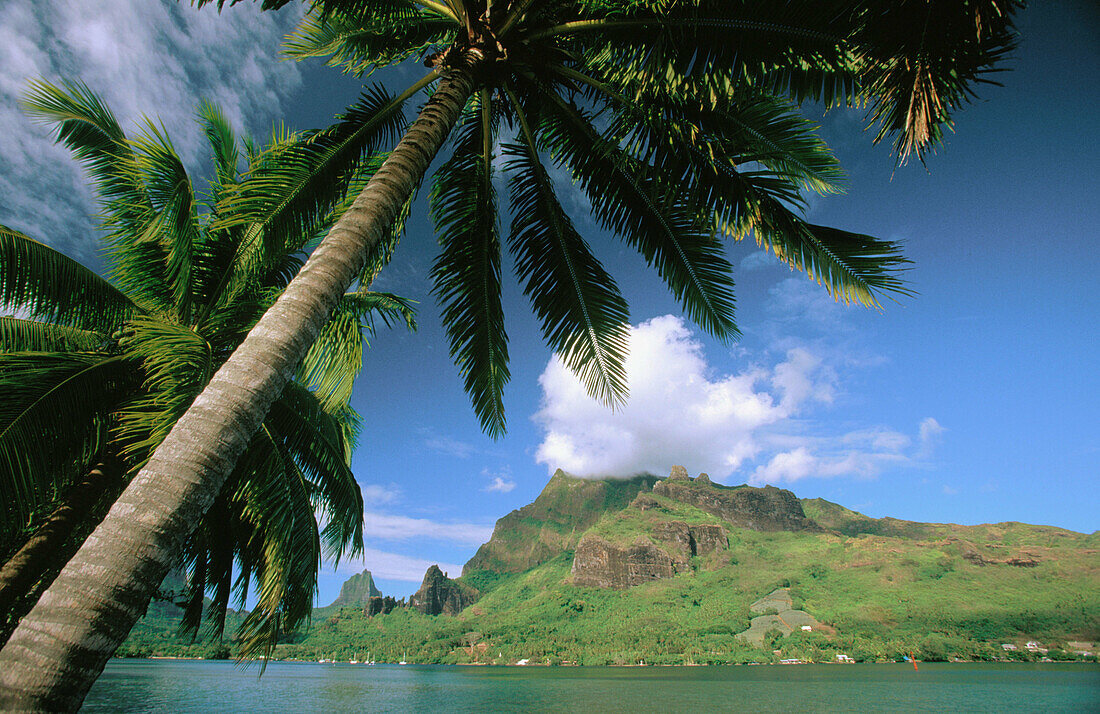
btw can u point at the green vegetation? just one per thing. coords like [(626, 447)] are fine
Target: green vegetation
[(625, 526), (97, 371), (871, 597)]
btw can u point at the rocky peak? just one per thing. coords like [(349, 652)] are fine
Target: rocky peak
[(553, 522), (759, 509), (439, 594), (356, 591), (678, 473)]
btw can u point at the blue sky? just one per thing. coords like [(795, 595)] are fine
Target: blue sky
[(976, 401)]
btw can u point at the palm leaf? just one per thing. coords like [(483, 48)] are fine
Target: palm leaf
[(361, 43), (316, 440), (53, 418), (583, 316), (466, 274), (51, 287), (175, 221), (641, 206), (295, 186), (18, 335)]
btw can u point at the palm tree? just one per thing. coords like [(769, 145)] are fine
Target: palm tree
[(95, 377), (679, 121)]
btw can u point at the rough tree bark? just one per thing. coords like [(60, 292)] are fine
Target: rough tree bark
[(62, 645)]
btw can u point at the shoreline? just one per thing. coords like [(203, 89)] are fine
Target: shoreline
[(595, 666)]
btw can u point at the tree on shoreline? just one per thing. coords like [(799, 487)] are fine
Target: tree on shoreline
[(99, 369), (676, 118)]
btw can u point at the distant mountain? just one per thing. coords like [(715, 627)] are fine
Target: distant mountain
[(680, 570), (356, 591), (553, 522)]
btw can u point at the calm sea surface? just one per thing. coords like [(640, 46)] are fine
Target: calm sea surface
[(195, 686)]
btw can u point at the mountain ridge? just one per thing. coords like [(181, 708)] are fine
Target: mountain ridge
[(671, 570)]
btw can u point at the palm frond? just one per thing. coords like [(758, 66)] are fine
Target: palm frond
[(176, 364), (361, 43), (920, 61), (853, 267), (88, 128), (49, 286), (649, 212), (284, 199), (466, 274), (336, 357), (175, 223), (283, 552), (582, 313), (317, 441), (18, 335), (53, 420), (223, 145), (794, 46)]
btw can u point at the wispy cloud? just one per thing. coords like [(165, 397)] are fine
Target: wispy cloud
[(501, 482), (393, 566), (448, 445), (384, 526), (377, 494), (150, 57)]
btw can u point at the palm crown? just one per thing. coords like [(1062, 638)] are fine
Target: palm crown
[(680, 123), (110, 365)]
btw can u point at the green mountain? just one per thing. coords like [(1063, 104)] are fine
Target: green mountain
[(552, 523), (681, 570), (356, 591)]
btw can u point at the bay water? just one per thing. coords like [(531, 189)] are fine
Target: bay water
[(207, 686)]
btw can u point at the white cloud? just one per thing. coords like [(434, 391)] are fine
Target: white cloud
[(376, 494), (931, 430), (392, 566), (500, 482), (383, 526), (151, 57), (447, 445), (805, 462), (677, 412), (758, 259), (681, 410)]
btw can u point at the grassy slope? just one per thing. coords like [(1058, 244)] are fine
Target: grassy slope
[(889, 587), (886, 597)]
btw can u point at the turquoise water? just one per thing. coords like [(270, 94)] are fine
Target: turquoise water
[(195, 686)]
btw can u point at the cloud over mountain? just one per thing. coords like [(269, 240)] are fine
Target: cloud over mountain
[(683, 410)]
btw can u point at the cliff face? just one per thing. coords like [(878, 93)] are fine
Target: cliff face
[(553, 522), (602, 564), (356, 591), (382, 605), (758, 509), (440, 595)]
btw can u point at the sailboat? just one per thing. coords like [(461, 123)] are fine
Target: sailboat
[(403, 655)]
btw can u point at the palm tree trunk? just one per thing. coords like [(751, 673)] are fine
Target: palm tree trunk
[(46, 549), (62, 645)]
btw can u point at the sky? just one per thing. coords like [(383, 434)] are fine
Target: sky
[(976, 401)]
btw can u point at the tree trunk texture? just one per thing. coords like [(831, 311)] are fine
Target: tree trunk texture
[(46, 549), (62, 645)]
